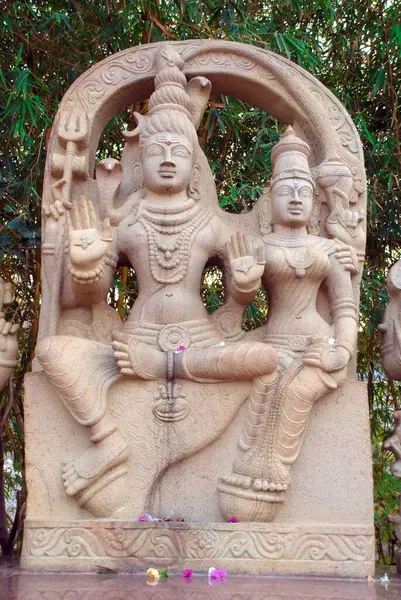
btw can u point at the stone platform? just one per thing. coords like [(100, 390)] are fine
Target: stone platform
[(21, 585)]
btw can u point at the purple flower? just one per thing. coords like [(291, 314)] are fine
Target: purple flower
[(187, 573), (217, 573), (233, 520), (145, 517)]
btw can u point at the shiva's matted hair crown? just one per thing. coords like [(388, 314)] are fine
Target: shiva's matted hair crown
[(175, 105)]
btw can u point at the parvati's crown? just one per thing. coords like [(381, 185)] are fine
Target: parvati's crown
[(290, 158)]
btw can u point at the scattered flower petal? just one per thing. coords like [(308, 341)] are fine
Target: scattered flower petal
[(370, 579), (233, 520), (180, 520), (217, 573), (146, 517), (385, 579), (153, 574), (181, 348), (164, 573), (187, 573)]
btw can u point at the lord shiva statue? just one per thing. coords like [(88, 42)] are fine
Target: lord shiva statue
[(167, 232)]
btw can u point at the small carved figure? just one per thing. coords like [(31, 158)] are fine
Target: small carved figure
[(341, 191), (391, 326), (8, 336), (313, 352), (394, 445)]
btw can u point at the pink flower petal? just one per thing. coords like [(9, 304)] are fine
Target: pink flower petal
[(187, 573), (217, 573)]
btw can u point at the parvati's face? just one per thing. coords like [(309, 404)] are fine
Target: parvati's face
[(292, 202), (167, 163)]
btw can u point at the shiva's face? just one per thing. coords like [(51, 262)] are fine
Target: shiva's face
[(167, 163), (292, 202)]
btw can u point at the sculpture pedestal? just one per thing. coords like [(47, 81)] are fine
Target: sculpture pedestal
[(258, 548), (325, 527)]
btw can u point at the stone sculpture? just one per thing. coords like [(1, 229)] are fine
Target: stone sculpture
[(168, 335), (394, 445), (8, 336), (313, 354), (391, 360), (146, 414), (390, 328)]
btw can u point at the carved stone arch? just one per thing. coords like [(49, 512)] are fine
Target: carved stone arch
[(262, 78)]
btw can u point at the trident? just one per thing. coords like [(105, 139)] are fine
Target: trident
[(72, 130), (73, 134)]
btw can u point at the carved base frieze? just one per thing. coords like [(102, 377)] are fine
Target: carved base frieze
[(90, 545)]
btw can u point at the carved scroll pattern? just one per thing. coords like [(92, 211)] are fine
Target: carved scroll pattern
[(114, 73), (196, 544)]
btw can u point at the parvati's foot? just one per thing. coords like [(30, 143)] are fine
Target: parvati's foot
[(265, 472), (88, 467)]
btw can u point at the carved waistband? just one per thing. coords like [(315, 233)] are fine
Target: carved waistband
[(200, 333), (296, 343)]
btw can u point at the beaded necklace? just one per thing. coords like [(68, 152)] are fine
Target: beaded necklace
[(184, 222)]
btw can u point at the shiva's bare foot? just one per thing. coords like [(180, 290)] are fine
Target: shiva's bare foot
[(88, 467)]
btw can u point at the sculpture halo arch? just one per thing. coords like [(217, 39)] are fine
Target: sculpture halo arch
[(262, 78)]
